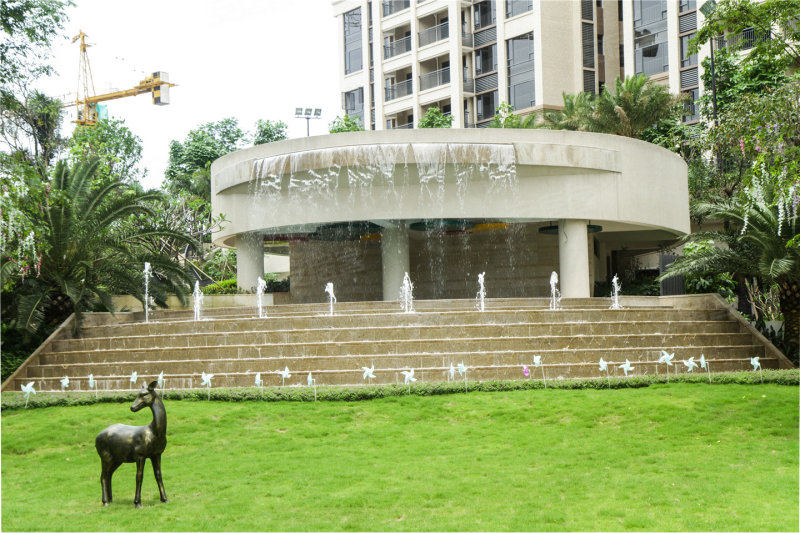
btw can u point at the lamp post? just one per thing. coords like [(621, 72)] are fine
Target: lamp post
[(307, 113)]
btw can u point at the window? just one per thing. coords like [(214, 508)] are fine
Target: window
[(353, 61), (687, 60), (650, 36), (600, 45), (517, 7), (486, 105), (521, 71), (486, 60), (687, 5), (484, 14), (354, 104)]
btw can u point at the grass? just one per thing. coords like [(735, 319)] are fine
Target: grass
[(665, 457)]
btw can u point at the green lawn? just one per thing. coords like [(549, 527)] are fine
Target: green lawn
[(665, 457)]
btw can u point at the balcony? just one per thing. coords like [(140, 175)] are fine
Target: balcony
[(434, 79), (435, 34), (469, 84), (400, 46), (745, 40), (486, 36), (409, 126), (467, 39), (486, 83), (393, 6), (399, 90)]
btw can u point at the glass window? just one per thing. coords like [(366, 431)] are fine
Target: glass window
[(687, 60), (353, 61), (521, 71), (687, 5), (650, 36), (354, 103), (484, 14), (517, 7), (486, 105), (486, 60)]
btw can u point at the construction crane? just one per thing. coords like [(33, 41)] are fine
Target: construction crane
[(87, 102)]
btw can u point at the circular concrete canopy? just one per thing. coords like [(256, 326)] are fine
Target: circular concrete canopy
[(294, 188)]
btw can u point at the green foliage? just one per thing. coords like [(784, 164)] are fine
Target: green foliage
[(435, 119), (227, 286), (504, 117), (276, 285), (117, 148), (16, 347), (29, 126), (268, 131), (220, 264), (574, 116), (775, 18), (701, 282), (92, 244), (344, 124), (28, 27)]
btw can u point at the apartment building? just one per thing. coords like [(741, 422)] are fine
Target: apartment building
[(401, 57)]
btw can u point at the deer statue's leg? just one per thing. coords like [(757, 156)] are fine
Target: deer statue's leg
[(137, 499), (105, 480), (156, 460)]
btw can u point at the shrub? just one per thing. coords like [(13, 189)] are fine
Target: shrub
[(227, 286)]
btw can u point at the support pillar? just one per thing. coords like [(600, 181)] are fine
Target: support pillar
[(573, 255), (249, 260), (394, 259)]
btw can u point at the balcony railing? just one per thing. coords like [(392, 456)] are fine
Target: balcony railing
[(409, 126), (485, 36), (432, 35), (393, 6), (745, 40), (434, 79), (400, 46), (469, 84), (467, 39), (486, 83), (399, 90)]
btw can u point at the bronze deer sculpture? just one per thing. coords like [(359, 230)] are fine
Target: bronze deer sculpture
[(119, 444)]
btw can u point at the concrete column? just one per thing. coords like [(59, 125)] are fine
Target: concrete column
[(394, 258), (573, 256), (249, 260)]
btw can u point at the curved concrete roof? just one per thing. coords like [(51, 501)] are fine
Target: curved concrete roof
[(293, 186)]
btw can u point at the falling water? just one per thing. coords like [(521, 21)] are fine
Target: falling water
[(555, 294), (615, 287), (406, 295), (198, 299), (262, 285), (331, 297), (147, 273), (481, 292)]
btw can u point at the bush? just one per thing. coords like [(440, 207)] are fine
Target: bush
[(16, 400), (227, 286), (276, 285)]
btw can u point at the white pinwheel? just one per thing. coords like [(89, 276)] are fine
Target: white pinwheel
[(690, 364), (65, 382), (284, 374), (259, 382), (461, 369), (160, 379), (666, 358), (312, 383), (134, 377), (92, 384), (603, 365), (756, 364), (409, 376), (704, 364), (537, 360), (452, 372), (28, 389), (205, 379), (626, 367), (369, 373)]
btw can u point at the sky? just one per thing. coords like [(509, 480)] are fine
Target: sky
[(247, 59)]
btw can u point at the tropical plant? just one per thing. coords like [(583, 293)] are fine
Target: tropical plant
[(268, 131), (345, 124), (577, 107), (92, 243), (755, 241), (434, 118), (118, 149)]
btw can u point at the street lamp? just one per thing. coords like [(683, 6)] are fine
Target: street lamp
[(307, 113)]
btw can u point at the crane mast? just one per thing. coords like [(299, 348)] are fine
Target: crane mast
[(87, 102)]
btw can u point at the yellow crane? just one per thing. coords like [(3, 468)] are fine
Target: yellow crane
[(158, 84)]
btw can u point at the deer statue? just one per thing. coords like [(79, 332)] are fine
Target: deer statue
[(119, 444)]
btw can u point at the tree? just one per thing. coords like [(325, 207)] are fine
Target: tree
[(268, 131), (117, 148), (29, 126), (637, 104), (775, 19), (29, 27), (574, 115), (434, 118), (93, 243), (344, 124), (754, 241)]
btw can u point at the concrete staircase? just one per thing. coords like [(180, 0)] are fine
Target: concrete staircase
[(234, 344)]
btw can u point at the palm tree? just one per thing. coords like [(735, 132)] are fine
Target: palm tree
[(575, 115), (637, 104), (94, 243), (755, 242)]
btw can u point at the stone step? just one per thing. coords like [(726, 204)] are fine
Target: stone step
[(397, 319), (481, 366), (183, 340), (398, 346)]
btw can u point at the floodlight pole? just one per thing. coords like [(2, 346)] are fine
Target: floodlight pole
[(299, 113)]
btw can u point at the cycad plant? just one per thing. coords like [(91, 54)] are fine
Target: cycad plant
[(93, 244), (755, 242)]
